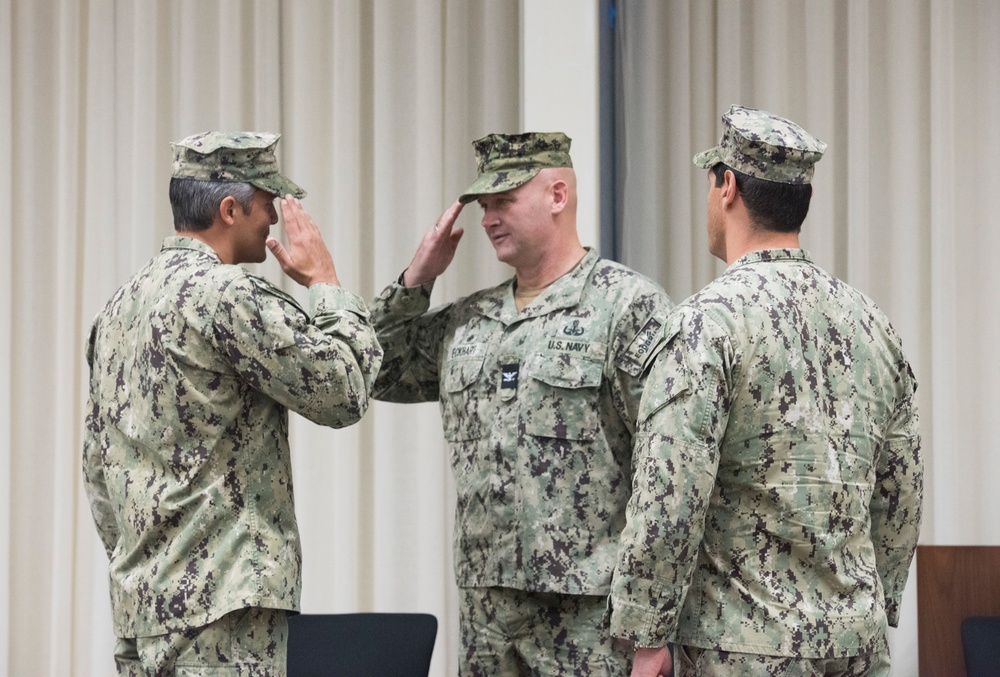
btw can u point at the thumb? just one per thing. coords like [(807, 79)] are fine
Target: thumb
[(279, 252)]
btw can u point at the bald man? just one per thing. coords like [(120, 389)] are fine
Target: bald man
[(539, 380)]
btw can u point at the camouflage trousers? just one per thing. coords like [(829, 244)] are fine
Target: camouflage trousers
[(507, 633), (244, 643), (691, 661)]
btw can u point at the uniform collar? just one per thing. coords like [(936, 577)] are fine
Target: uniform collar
[(770, 256), (565, 292), (184, 242)]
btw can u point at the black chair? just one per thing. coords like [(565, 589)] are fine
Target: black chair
[(981, 646), (358, 645)]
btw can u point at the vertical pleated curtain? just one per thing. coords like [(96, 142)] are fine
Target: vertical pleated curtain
[(377, 102), (906, 94)]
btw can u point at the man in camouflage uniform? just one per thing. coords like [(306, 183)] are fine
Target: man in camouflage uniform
[(194, 366), (539, 380), (778, 474)]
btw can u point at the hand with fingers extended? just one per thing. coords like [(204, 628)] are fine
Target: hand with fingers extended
[(436, 249), (306, 258)]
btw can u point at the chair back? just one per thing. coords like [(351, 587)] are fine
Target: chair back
[(953, 583), (360, 644), (981, 646)]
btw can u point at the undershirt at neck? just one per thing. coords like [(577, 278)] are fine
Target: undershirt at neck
[(523, 296)]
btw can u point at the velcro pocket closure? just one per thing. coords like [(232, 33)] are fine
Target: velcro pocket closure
[(561, 396)]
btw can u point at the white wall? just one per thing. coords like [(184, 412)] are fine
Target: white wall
[(559, 81)]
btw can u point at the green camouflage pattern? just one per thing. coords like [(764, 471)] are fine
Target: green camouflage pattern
[(778, 479), (506, 161), (542, 459), (243, 643), (692, 661), (194, 365), (542, 634), (764, 145), (241, 157)]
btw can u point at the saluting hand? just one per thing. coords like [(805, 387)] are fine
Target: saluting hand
[(436, 249), (306, 259)]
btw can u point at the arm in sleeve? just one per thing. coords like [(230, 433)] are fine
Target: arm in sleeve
[(637, 340), (897, 499), (411, 338), (321, 366), (101, 507), (682, 417)]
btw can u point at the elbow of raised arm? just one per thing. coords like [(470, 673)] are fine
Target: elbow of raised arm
[(349, 397)]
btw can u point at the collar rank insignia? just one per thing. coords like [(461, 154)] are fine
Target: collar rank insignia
[(508, 375)]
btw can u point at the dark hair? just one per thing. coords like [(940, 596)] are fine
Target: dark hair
[(195, 202), (772, 205)]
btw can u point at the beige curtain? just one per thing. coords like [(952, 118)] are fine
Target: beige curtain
[(377, 102), (906, 94)]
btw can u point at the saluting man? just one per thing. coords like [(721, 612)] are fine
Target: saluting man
[(194, 364), (539, 380)]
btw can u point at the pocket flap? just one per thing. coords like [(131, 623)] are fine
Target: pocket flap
[(567, 371), (669, 378), (460, 374)]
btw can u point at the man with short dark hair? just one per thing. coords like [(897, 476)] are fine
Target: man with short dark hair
[(194, 365), (538, 379), (778, 476)]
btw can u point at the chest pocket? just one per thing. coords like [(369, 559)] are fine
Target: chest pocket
[(461, 396), (561, 397)]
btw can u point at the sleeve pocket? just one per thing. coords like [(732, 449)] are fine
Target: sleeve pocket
[(279, 312), (669, 379)]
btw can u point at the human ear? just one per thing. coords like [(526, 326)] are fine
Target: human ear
[(729, 189), (560, 195), (227, 209)]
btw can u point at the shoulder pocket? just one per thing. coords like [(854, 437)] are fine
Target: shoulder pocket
[(637, 354), (668, 379), (279, 313)]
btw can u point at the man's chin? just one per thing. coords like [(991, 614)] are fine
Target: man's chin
[(504, 254), (255, 257)]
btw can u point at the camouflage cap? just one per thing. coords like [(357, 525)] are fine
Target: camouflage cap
[(763, 145), (507, 161), (243, 157)]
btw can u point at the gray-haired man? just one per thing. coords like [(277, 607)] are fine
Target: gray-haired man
[(194, 366)]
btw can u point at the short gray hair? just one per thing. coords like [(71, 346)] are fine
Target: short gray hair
[(195, 203)]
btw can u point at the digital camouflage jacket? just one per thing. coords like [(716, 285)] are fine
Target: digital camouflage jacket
[(194, 366), (779, 478), (538, 409)]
